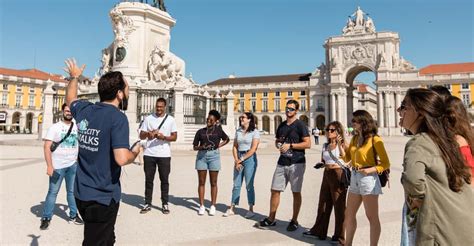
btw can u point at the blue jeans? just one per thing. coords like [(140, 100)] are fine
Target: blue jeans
[(248, 171), (69, 174)]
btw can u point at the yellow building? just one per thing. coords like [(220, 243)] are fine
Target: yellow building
[(21, 100)]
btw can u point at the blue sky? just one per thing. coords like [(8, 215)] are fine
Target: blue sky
[(242, 37)]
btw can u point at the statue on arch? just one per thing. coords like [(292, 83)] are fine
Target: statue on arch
[(369, 25), (160, 4), (359, 17), (349, 26)]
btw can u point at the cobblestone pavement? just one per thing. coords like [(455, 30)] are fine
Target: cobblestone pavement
[(23, 187)]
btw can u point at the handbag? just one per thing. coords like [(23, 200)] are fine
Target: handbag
[(346, 171), (55, 145), (384, 177)]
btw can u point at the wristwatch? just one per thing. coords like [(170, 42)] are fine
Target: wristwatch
[(291, 145)]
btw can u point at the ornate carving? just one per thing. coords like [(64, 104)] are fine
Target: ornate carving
[(164, 66), (406, 65), (106, 61), (123, 26)]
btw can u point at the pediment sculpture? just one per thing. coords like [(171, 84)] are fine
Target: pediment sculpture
[(164, 66)]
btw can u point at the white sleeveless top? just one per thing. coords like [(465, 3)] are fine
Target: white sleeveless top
[(335, 152)]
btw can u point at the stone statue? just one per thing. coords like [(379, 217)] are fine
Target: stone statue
[(160, 4), (383, 59), (106, 57), (164, 66), (406, 65), (123, 26), (395, 61), (359, 17), (369, 25), (349, 26)]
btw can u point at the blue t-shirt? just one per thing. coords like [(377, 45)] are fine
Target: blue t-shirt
[(244, 141), (101, 129)]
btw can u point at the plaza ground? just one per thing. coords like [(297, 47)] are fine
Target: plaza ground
[(24, 186)]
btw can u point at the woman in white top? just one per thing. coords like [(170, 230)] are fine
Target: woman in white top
[(333, 192), (246, 143)]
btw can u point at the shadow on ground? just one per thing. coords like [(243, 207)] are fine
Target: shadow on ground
[(59, 210)]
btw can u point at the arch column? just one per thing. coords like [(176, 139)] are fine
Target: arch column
[(342, 108), (34, 124), (380, 109), (397, 104), (272, 124), (326, 109), (333, 107)]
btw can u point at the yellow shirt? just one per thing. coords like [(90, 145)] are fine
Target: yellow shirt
[(364, 155)]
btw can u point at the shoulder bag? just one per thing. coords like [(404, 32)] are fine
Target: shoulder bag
[(55, 145)]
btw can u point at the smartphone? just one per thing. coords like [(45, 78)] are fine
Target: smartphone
[(55, 177), (319, 165)]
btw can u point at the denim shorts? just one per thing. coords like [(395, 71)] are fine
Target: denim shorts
[(208, 160), (365, 184), (284, 174)]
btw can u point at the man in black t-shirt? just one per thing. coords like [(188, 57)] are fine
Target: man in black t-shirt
[(292, 138)]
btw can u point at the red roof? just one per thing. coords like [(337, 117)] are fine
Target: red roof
[(452, 68), (262, 79), (32, 74)]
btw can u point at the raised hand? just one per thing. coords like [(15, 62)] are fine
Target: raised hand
[(72, 68)]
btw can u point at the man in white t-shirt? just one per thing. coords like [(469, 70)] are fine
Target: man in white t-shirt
[(61, 163), (159, 129), (315, 133)]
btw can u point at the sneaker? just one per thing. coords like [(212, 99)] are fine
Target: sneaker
[(309, 234), (202, 210), (265, 223), (292, 226), (76, 220), (45, 223), (165, 209), (146, 209), (212, 210), (228, 213), (249, 214)]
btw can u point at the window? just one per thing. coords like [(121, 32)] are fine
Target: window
[(277, 93), (32, 89), (18, 101), (265, 106), (241, 94), (465, 86), (319, 105), (253, 94), (18, 88), (254, 106), (290, 93), (466, 99), (242, 106), (303, 93), (4, 98), (265, 94), (277, 105), (5, 87), (448, 86), (303, 104), (31, 101)]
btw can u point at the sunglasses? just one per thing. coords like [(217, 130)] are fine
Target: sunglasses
[(330, 130), (403, 106), (288, 109)]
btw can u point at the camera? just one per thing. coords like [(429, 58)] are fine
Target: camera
[(319, 165)]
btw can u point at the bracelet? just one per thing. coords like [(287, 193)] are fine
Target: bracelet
[(71, 78)]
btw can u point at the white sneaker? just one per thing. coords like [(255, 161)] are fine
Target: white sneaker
[(229, 212), (212, 210), (202, 210), (249, 214)]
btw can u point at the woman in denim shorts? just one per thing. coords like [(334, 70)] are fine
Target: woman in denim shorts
[(207, 142), (246, 143), (368, 158)]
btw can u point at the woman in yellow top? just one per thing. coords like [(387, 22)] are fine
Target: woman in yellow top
[(365, 184)]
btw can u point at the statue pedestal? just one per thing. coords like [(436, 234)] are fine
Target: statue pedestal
[(139, 28)]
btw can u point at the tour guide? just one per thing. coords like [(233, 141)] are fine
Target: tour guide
[(103, 149)]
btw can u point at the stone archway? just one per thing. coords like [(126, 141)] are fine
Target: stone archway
[(320, 122), (16, 122), (29, 122), (266, 123), (278, 120), (305, 119), (351, 101)]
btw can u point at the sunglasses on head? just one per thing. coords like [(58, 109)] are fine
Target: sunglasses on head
[(330, 130), (288, 109)]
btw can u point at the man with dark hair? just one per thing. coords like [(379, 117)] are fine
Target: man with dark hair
[(103, 150), (292, 138), (159, 129), (61, 163)]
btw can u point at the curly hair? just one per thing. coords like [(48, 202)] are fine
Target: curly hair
[(432, 107), (367, 124)]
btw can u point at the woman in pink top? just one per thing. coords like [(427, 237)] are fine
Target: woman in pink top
[(458, 119)]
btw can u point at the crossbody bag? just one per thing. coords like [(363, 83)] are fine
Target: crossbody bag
[(55, 145), (346, 171)]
